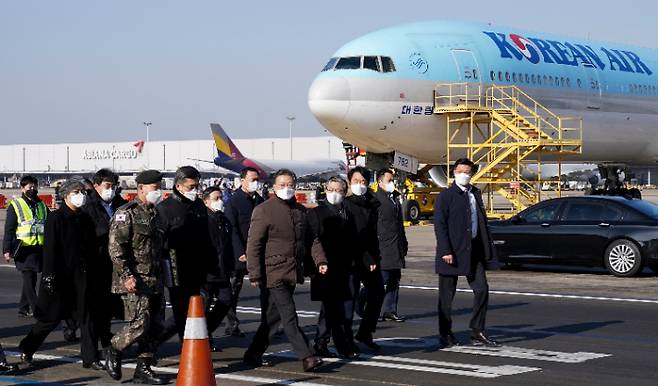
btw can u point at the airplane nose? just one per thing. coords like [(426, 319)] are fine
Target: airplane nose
[(329, 100)]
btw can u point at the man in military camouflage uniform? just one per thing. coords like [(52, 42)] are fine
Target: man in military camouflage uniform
[(137, 277)]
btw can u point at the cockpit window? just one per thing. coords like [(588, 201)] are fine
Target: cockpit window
[(374, 63), (387, 64), (350, 63), (371, 63), (330, 64)]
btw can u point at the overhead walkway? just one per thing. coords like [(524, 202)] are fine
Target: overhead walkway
[(504, 131)]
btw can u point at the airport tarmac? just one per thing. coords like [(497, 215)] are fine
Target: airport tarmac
[(558, 325)]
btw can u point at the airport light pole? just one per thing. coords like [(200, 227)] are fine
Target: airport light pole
[(290, 118), (146, 145)]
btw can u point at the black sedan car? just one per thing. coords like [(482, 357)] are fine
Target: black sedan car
[(617, 233)]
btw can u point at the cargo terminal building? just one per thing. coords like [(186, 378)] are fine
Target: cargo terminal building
[(53, 161)]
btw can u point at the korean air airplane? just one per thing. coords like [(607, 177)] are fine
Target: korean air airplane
[(376, 91), (229, 157)]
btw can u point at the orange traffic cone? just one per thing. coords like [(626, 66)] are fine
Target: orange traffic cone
[(195, 360)]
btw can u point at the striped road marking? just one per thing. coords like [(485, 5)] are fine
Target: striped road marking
[(430, 366)]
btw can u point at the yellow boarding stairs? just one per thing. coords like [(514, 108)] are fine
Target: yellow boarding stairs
[(504, 130)]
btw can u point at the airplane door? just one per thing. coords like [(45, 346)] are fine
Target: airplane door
[(592, 84), (467, 67)]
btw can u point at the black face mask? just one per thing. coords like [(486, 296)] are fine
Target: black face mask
[(32, 194)]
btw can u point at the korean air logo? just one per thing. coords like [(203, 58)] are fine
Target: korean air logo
[(526, 47)]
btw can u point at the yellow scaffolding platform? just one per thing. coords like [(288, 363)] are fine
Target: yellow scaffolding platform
[(504, 130)]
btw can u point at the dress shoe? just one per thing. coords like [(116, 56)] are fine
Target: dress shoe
[(311, 363), (234, 332), (6, 368), (70, 336), (480, 339), (349, 355), (448, 340), (25, 314), (256, 362), (367, 340), (321, 350), (26, 357), (145, 375), (113, 363), (95, 365), (392, 317)]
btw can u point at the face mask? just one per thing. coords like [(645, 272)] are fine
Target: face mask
[(31, 194), (285, 193), (153, 197), (253, 186), (217, 206), (462, 179), (389, 186), (78, 200), (107, 195), (191, 195), (358, 189), (334, 198)]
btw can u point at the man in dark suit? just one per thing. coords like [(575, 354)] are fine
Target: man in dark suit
[(463, 247), (238, 211)]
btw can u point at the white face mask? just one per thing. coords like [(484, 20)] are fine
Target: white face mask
[(217, 206), (252, 186), (153, 197), (285, 193), (78, 200), (191, 195), (388, 187), (334, 198), (358, 189), (462, 179), (107, 195)]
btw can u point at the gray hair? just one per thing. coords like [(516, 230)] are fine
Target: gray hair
[(339, 180), (73, 183)]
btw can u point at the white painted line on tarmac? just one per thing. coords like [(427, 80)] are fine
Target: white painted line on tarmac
[(526, 353), (413, 364), (544, 295), (168, 370), (256, 310)]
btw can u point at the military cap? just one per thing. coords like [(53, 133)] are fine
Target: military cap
[(149, 177)]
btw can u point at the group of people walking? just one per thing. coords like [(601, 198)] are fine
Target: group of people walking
[(102, 257)]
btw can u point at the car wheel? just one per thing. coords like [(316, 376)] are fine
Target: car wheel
[(622, 258), (411, 211)]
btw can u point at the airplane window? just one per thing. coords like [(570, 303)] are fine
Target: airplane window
[(330, 64), (492, 75), (387, 64), (545, 79), (514, 77), (507, 76), (550, 80), (371, 63), (534, 79), (538, 79), (562, 82), (527, 78), (500, 76), (579, 83), (645, 88), (568, 82), (349, 63)]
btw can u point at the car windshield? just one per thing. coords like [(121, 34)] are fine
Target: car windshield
[(648, 208)]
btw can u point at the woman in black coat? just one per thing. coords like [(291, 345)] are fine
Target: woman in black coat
[(69, 244)]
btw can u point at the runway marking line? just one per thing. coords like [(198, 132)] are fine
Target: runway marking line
[(230, 377)]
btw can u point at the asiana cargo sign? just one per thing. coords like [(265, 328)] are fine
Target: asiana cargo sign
[(109, 154)]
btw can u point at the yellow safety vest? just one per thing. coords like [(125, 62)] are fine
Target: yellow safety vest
[(30, 230)]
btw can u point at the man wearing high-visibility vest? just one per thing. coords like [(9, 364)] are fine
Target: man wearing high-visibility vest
[(23, 240)]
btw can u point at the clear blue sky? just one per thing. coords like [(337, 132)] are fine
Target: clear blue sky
[(80, 71)]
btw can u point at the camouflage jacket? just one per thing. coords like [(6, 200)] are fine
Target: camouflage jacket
[(134, 242)]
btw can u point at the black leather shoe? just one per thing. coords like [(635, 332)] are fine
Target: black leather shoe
[(6, 368), (234, 332), (392, 317), (145, 375), (113, 363), (311, 363), (96, 365), (26, 357), (366, 339), (70, 336), (480, 339), (321, 350), (348, 355), (256, 362), (448, 340), (25, 314)]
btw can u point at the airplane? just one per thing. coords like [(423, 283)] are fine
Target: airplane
[(229, 157), (376, 92)]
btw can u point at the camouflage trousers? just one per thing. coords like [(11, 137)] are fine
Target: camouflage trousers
[(144, 315)]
